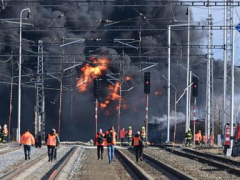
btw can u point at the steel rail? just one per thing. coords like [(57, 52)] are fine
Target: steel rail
[(8, 151), (131, 167), (230, 170), (214, 157), (22, 168), (55, 171), (176, 172)]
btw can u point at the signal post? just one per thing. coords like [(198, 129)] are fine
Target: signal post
[(96, 96), (194, 94), (147, 91)]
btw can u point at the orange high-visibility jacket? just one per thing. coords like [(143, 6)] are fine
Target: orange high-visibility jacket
[(5, 131), (122, 133), (27, 139), (114, 141), (52, 140), (196, 137), (204, 139), (136, 141), (96, 139)]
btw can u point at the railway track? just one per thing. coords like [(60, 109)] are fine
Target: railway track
[(9, 150), (30, 170), (222, 163), (164, 171), (213, 157)]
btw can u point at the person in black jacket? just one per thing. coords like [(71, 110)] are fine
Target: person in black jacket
[(138, 145)]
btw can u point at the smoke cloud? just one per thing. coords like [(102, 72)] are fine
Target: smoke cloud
[(77, 118)]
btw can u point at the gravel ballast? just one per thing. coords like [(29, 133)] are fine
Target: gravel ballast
[(191, 167)]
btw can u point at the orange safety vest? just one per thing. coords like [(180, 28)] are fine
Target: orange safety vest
[(136, 141), (51, 140), (122, 133), (96, 139), (5, 131), (129, 133), (27, 139), (114, 142), (204, 139), (196, 137), (211, 139)]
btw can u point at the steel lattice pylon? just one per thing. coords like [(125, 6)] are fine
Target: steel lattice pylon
[(40, 97), (209, 82), (228, 86)]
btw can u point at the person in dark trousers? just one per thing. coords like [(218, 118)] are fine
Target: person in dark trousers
[(99, 141), (137, 143), (122, 135), (27, 140), (52, 141), (188, 138)]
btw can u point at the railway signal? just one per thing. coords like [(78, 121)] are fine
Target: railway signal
[(96, 88), (147, 82), (195, 87)]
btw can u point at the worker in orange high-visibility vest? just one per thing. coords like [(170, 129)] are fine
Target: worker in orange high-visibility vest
[(27, 140), (137, 143), (211, 139), (204, 138), (122, 135), (99, 142), (198, 138), (52, 141), (111, 140)]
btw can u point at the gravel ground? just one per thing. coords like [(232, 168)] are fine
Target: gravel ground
[(99, 169), (77, 164), (42, 168), (217, 151), (190, 167), (152, 171), (10, 161)]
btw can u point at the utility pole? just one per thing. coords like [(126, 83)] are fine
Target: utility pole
[(209, 73), (39, 125), (188, 61), (11, 107), (228, 84)]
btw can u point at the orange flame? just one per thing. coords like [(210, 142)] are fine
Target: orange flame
[(90, 72), (113, 95), (157, 93), (127, 78)]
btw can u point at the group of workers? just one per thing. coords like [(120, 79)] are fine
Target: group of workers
[(4, 134), (109, 139), (128, 134), (199, 138), (52, 141)]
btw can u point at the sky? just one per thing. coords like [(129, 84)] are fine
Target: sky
[(201, 14)]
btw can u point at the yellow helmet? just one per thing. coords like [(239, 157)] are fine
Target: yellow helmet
[(129, 127), (143, 127), (189, 129)]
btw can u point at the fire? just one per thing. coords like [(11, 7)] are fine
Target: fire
[(157, 93), (90, 72), (113, 94), (127, 78)]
